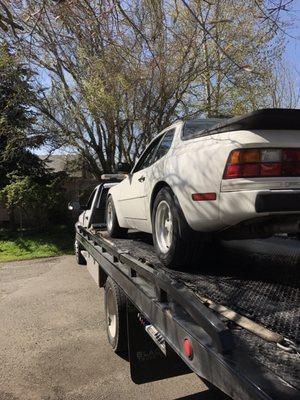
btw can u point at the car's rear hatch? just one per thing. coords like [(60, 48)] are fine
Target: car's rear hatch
[(265, 119)]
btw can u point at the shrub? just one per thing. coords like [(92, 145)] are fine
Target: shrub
[(32, 202)]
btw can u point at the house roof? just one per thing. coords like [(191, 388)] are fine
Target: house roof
[(69, 163)]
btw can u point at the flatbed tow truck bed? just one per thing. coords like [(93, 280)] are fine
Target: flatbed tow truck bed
[(239, 310)]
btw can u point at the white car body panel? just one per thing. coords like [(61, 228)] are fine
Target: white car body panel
[(197, 166)]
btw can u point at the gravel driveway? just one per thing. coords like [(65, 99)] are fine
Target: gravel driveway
[(53, 341)]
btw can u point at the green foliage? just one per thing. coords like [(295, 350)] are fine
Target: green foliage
[(16, 118), (33, 201), (28, 191), (23, 193), (16, 95), (55, 242)]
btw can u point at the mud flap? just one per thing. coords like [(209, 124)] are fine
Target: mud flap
[(147, 362)]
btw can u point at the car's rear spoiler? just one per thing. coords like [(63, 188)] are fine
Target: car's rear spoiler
[(272, 118)]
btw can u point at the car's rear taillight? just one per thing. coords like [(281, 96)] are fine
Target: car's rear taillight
[(256, 163)]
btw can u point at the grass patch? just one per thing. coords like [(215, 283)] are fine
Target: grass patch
[(16, 246)]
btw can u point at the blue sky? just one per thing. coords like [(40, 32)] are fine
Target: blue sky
[(293, 43), (293, 40)]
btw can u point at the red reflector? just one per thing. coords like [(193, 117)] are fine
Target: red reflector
[(291, 169), (291, 155), (272, 169), (204, 196), (188, 349)]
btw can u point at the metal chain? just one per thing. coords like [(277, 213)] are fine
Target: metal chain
[(289, 346)]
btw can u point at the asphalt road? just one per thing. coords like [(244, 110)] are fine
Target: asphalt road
[(53, 341)]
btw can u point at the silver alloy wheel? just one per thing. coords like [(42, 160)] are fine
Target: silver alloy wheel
[(111, 313), (109, 216), (163, 226)]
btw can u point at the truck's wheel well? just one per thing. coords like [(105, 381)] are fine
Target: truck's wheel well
[(155, 191)]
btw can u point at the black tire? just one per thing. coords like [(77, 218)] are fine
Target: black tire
[(185, 245), (79, 257), (114, 230), (116, 327)]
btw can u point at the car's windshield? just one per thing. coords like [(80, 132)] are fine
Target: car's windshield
[(193, 127)]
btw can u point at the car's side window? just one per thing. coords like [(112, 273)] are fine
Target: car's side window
[(164, 145), (146, 158)]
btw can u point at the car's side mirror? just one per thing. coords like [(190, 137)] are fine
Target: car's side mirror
[(124, 168), (75, 206)]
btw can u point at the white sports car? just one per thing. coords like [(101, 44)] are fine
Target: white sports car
[(200, 179)]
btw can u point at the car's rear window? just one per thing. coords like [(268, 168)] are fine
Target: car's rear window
[(194, 127)]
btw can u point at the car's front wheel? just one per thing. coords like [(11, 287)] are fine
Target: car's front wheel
[(112, 223), (174, 240)]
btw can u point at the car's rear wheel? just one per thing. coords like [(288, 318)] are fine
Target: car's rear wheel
[(112, 224), (174, 241)]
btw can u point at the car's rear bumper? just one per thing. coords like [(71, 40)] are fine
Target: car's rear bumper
[(235, 207), (277, 202)]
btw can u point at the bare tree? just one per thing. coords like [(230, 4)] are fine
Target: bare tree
[(114, 73), (283, 87), (7, 20), (111, 73)]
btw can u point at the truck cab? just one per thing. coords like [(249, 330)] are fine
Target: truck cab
[(94, 210)]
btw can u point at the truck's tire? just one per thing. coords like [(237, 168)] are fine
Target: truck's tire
[(115, 314), (79, 257), (112, 224), (175, 243)]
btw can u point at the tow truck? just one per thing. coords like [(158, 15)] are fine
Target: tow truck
[(234, 321)]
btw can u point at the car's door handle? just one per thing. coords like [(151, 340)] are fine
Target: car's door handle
[(141, 179)]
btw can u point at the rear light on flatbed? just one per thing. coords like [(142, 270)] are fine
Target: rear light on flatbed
[(260, 163), (188, 349)]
